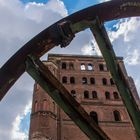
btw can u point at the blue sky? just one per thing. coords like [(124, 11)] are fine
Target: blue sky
[(27, 20), (72, 6)]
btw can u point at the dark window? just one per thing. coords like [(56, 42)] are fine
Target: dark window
[(72, 80), (64, 66), (90, 67), (104, 80), (116, 95), (117, 116), (94, 116), (83, 67), (71, 66), (84, 80), (64, 79), (101, 67), (73, 93), (107, 95), (86, 94), (94, 94), (111, 81), (92, 80)]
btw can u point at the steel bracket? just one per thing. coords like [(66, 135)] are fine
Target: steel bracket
[(66, 34)]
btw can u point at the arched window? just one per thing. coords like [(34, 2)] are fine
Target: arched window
[(72, 80), (107, 95), (90, 67), (44, 104), (104, 81), (117, 116), (84, 80), (94, 116), (101, 67), (64, 66), (111, 81), (73, 93), (116, 95), (71, 66), (64, 79), (94, 95), (86, 94), (92, 80), (35, 106), (83, 67)]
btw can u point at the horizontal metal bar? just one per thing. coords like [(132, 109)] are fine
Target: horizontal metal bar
[(61, 96)]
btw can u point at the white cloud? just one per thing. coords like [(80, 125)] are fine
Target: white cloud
[(126, 43), (19, 23), (18, 134), (87, 49), (104, 0), (133, 58), (126, 40), (91, 48)]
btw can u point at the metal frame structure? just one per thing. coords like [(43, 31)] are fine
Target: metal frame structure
[(61, 33)]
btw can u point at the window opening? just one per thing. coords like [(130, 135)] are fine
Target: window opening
[(64, 79), (64, 66), (86, 94), (116, 95), (90, 67), (73, 93), (104, 80), (101, 67), (94, 94), (111, 81), (117, 116), (92, 80), (83, 67), (94, 116), (84, 80), (72, 80), (107, 95)]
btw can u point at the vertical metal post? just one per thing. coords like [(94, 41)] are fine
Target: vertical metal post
[(108, 53)]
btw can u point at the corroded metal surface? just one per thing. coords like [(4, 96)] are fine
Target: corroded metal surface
[(51, 36)]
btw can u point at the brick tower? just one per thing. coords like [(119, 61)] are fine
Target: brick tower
[(89, 82)]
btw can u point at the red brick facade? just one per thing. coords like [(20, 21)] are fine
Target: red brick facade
[(90, 83)]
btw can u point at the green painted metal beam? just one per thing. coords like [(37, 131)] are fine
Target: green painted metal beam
[(40, 73), (108, 53)]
